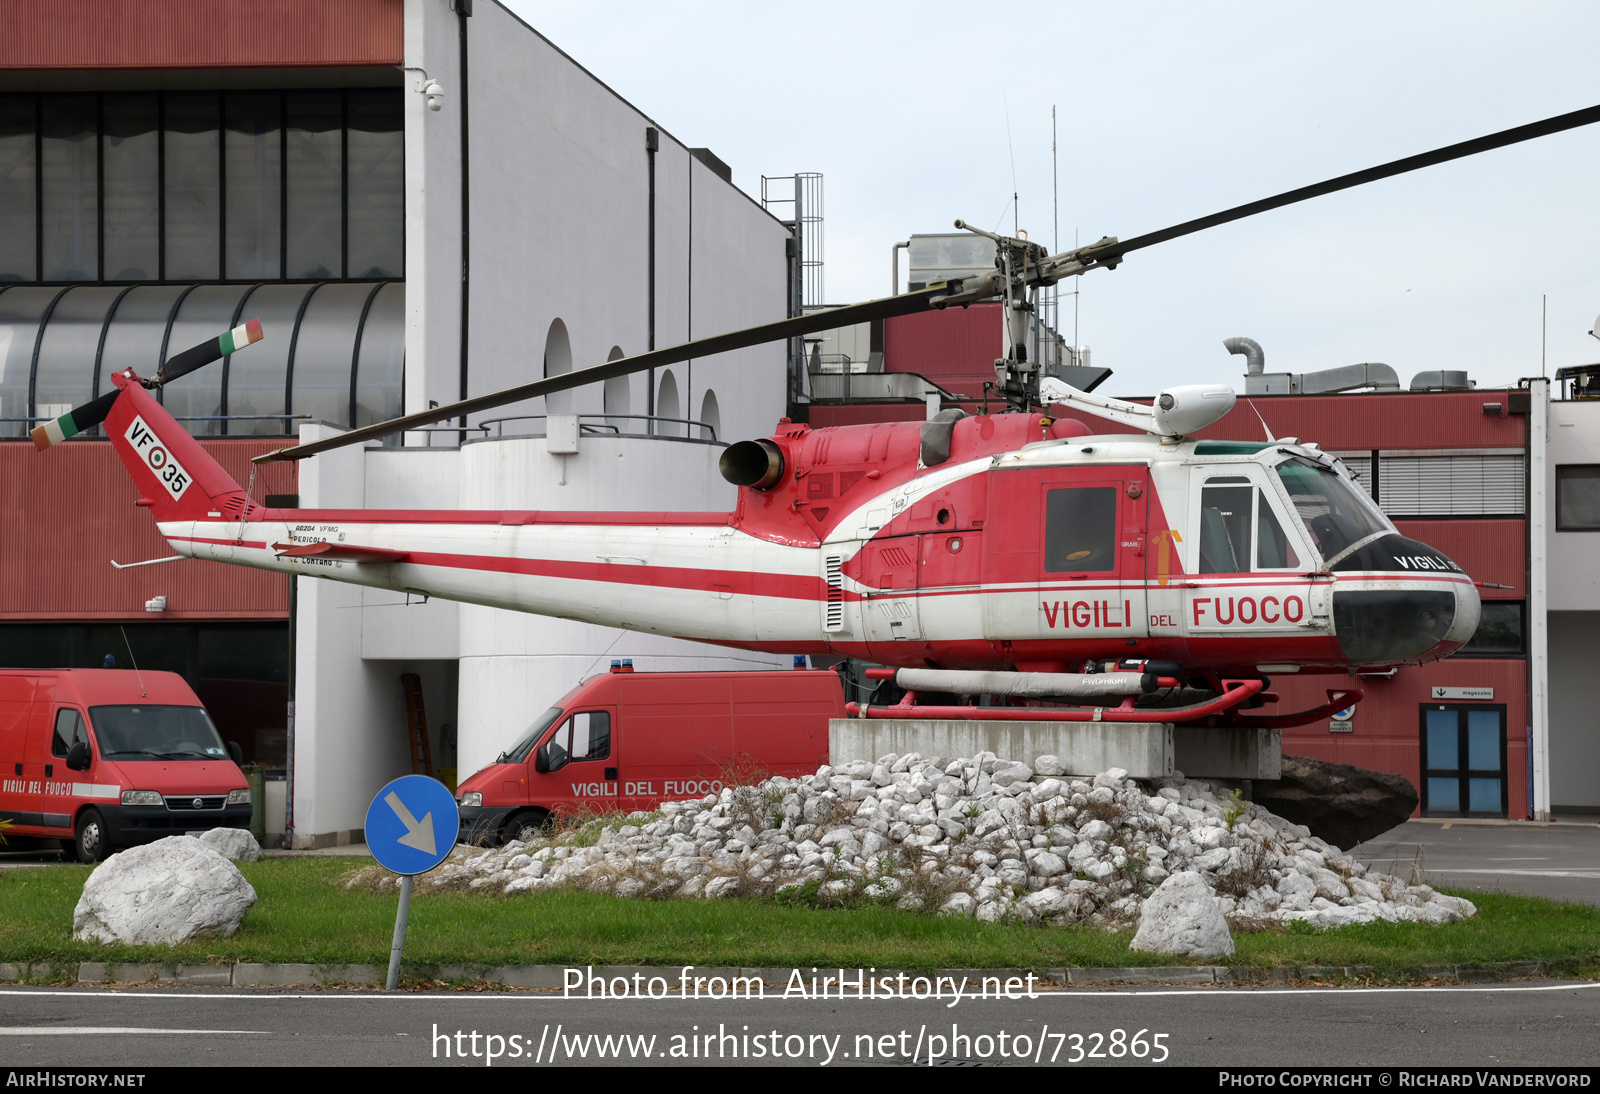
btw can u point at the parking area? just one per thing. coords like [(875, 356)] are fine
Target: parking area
[(1560, 860)]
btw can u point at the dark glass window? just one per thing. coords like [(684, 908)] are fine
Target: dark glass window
[(1081, 529), (1578, 498), (1333, 509), (130, 153), (69, 731), (254, 173), (70, 176), (1225, 525), (376, 173), (584, 736), (193, 188), (315, 168), (1499, 630), (18, 212), (1464, 761)]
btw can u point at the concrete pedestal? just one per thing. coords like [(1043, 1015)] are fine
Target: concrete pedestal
[(1145, 750)]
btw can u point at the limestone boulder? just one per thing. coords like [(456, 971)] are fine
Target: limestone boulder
[(1341, 804), (233, 844), (165, 892), (1182, 917)]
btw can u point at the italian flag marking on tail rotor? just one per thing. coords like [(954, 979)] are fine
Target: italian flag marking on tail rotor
[(239, 337), (73, 422)]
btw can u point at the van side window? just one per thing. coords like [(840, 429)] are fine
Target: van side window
[(1080, 531), (585, 736), (69, 729)]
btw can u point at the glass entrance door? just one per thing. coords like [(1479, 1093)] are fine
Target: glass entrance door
[(1463, 761)]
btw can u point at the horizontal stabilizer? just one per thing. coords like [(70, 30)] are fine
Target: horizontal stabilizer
[(74, 421), (340, 551), (210, 350)]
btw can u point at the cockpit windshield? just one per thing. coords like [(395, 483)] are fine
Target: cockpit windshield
[(1335, 512)]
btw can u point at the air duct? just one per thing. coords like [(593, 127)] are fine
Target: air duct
[(1255, 359)]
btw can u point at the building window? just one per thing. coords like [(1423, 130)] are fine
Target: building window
[(243, 186), (1499, 633), (1464, 761), (1578, 498), (1472, 484)]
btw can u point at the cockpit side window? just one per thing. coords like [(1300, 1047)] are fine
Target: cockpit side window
[(1335, 513), (1239, 531), (1225, 503)]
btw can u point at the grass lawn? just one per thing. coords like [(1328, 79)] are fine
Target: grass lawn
[(304, 915)]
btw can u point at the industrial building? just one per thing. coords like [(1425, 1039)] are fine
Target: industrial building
[(421, 200)]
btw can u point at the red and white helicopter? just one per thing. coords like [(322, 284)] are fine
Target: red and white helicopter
[(1124, 577)]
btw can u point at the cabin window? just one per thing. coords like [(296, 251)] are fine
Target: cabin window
[(585, 736), (1334, 510), (1080, 529)]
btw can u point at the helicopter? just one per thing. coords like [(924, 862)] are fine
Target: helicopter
[(1077, 576)]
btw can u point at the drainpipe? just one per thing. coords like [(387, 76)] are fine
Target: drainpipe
[(894, 285)]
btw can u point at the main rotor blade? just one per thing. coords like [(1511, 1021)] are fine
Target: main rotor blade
[(905, 304), (1557, 124)]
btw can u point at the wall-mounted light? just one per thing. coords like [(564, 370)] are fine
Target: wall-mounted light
[(156, 604)]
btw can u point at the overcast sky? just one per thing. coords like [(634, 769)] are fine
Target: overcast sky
[(920, 113)]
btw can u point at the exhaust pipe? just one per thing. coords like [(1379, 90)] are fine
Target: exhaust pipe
[(756, 464)]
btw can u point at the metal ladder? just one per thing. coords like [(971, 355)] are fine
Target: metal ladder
[(417, 725)]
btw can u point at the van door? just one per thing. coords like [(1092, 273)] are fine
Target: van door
[(65, 789), (582, 775), (21, 776)]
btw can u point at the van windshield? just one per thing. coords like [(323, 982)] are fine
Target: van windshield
[(156, 733), (519, 751)]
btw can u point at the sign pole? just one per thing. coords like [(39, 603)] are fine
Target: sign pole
[(399, 933), (411, 827)]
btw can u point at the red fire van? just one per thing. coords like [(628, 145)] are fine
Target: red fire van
[(625, 740), (106, 758)]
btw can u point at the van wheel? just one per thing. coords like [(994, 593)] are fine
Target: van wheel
[(92, 844), (526, 826)]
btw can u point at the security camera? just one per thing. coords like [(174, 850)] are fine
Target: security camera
[(435, 95)]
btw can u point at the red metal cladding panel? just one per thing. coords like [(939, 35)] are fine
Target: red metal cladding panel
[(201, 33), (954, 348), (70, 510), (1494, 551), (1387, 728), (1367, 421)]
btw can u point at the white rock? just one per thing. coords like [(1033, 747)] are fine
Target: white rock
[(1182, 917), (233, 844), (165, 892)]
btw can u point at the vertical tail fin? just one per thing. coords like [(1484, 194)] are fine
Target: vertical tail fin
[(176, 477)]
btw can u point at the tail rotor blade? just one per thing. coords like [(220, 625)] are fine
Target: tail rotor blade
[(210, 350), (74, 421)]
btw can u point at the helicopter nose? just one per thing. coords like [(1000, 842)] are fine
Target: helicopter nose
[(1432, 613)]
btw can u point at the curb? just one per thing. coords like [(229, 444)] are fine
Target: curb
[(247, 974)]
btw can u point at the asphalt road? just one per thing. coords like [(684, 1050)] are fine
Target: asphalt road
[(1559, 861), (1536, 1023)]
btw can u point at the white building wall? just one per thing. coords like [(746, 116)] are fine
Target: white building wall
[(515, 665), (1574, 437), (559, 191), (560, 202)]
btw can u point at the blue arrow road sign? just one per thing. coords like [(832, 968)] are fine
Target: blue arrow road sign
[(412, 825)]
